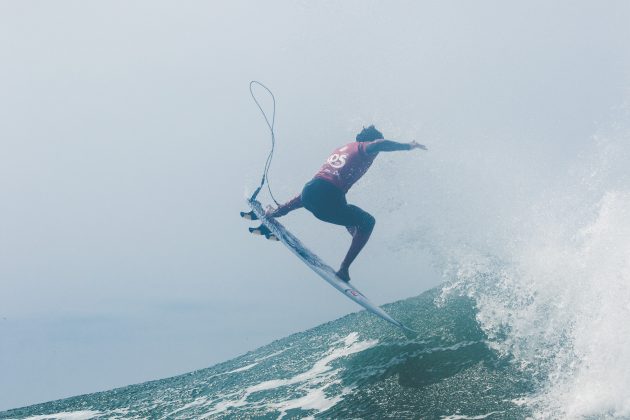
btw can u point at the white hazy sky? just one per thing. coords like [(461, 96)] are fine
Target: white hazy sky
[(128, 139)]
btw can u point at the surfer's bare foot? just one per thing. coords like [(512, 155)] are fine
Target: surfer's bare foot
[(343, 274)]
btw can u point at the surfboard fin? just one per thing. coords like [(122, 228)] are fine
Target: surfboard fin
[(250, 215), (263, 231)]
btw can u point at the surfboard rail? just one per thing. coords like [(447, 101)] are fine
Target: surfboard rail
[(320, 267)]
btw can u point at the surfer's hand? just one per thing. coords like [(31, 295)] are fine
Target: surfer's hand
[(415, 145)]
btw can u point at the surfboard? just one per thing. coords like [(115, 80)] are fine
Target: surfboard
[(320, 267)]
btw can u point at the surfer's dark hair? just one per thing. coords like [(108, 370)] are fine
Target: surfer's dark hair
[(369, 134)]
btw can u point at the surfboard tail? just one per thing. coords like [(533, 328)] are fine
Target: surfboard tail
[(409, 333)]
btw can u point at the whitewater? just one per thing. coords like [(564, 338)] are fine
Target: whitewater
[(531, 320)]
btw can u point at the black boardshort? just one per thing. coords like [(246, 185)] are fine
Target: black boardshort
[(328, 203)]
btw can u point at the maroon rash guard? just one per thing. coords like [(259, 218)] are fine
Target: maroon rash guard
[(343, 168)]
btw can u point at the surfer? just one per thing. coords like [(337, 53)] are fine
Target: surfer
[(325, 194)]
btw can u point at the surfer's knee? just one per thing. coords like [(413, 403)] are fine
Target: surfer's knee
[(367, 222), (371, 222)]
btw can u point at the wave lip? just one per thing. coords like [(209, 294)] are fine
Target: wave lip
[(559, 307)]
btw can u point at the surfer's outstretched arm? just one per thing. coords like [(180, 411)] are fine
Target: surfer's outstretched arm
[(283, 209), (392, 146)]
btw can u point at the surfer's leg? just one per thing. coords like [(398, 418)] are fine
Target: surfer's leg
[(364, 223), (329, 204)]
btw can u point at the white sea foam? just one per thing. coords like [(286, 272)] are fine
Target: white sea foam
[(462, 417), (558, 297), (198, 402), (67, 415), (269, 356), (312, 383), (592, 374), (241, 369)]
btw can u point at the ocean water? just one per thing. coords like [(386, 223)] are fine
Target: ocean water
[(355, 367)]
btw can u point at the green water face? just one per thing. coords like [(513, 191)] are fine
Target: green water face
[(355, 367)]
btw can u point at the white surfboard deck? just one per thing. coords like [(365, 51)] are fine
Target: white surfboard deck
[(320, 267)]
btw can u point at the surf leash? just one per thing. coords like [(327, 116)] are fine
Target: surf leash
[(271, 125)]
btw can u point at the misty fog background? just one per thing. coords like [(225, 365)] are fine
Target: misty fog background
[(129, 140)]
